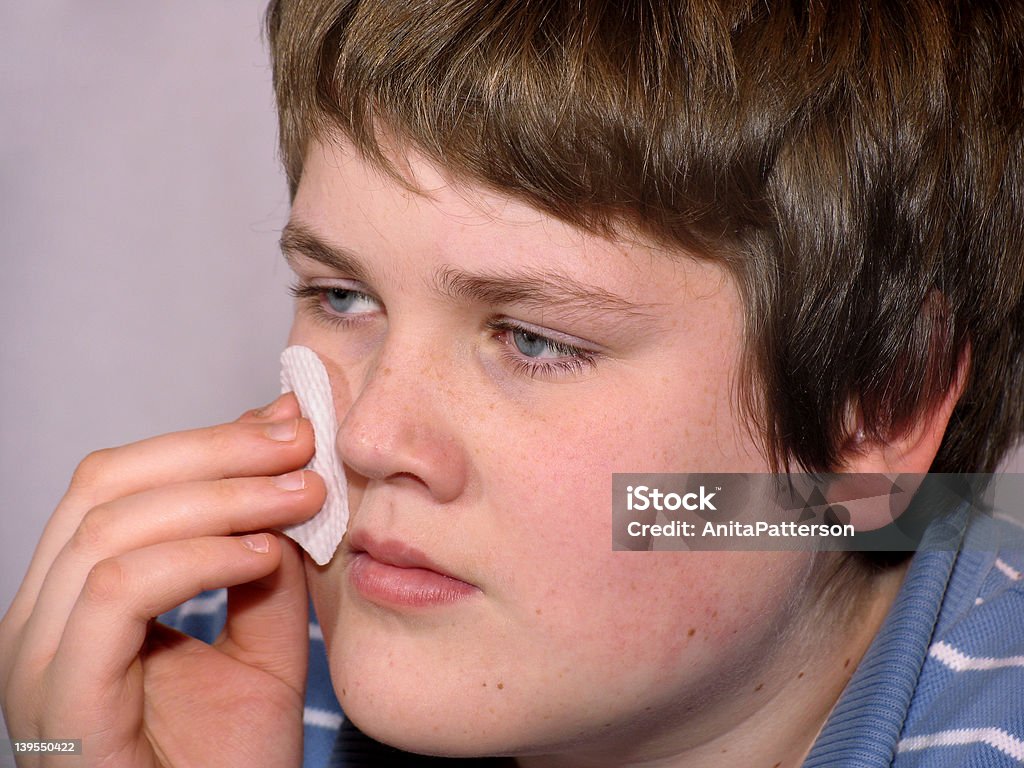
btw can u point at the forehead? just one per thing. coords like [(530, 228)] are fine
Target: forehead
[(351, 202)]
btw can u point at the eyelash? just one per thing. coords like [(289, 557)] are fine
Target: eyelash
[(575, 361), (312, 297)]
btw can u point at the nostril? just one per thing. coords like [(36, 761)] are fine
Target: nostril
[(406, 476)]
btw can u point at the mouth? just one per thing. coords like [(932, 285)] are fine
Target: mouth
[(389, 573)]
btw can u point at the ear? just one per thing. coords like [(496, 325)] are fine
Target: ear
[(912, 450), (904, 457)]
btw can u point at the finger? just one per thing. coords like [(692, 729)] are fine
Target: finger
[(182, 511), (237, 449), (227, 450), (268, 620), (286, 406), (97, 660)]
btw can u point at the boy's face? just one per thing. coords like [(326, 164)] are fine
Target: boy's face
[(492, 368)]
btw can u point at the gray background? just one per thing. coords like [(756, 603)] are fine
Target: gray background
[(140, 206)]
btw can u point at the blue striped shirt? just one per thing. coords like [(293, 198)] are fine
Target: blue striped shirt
[(943, 682)]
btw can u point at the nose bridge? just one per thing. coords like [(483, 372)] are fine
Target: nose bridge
[(408, 370), (399, 423)]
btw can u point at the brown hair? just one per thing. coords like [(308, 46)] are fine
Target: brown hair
[(858, 167)]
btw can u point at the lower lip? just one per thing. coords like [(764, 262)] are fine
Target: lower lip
[(410, 587)]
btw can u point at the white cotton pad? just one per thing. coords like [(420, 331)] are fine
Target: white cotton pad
[(304, 374)]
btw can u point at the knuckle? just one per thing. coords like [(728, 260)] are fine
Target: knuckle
[(106, 581), (253, 414), (92, 533), (198, 550), (214, 496), (93, 468), (222, 438)]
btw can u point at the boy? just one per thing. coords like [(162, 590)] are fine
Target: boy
[(535, 245)]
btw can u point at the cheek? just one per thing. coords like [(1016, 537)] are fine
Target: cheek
[(668, 613), (568, 588), (553, 488), (609, 636)]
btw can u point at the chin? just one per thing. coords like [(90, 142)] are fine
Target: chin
[(397, 701), (429, 728)]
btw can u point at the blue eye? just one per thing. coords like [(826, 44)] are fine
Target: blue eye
[(346, 302), (537, 356), (337, 306), (532, 345)]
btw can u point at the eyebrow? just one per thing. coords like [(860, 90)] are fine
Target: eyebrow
[(530, 288), (298, 240)]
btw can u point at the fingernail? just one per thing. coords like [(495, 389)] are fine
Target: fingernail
[(268, 409), (257, 542), (293, 481), (283, 431)]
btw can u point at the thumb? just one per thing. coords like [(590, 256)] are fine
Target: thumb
[(267, 622)]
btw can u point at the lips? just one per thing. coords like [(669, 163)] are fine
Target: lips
[(390, 573)]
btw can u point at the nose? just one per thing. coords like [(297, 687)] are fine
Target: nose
[(400, 425)]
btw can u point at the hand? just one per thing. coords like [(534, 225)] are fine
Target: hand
[(141, 529)]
